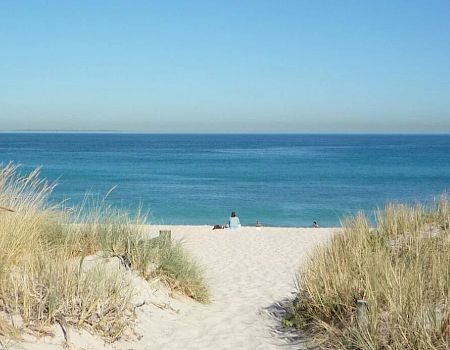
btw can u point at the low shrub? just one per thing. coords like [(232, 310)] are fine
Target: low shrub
[(401, 268)]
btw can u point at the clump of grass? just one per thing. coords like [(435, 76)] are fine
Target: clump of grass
[(401, 268), (42, 249), (124, 237), (179, 271), (97, 299), (38, 278)]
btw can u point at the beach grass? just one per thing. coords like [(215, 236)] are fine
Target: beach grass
[(400, 269), (43, 277), (180, 272)]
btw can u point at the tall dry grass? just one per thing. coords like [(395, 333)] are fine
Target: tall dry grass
[(42, 250), (121, 236), (179, 271), (401, 268)]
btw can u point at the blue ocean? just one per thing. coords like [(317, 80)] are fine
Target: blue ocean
[(278, 179)]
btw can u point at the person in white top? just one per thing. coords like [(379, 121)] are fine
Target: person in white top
[(234, 222)]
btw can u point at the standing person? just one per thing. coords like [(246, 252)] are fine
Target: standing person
[(234, 222)]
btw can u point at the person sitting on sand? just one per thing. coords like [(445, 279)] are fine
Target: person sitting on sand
[(234, 222), (315, 225)]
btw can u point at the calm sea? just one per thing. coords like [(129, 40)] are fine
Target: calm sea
[(282, 180)]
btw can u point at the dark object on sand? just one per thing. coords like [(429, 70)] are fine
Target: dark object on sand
[(218, 227), (165, 235), (7, 209)]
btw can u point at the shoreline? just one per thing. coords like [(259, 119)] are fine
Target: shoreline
[(242, 228)]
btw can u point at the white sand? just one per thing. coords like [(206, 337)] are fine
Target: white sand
[(248, 271)]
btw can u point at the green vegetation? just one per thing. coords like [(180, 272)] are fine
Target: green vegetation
[(401, 268), (43, 277)]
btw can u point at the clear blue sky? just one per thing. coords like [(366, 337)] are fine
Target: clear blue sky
[(225, 66)]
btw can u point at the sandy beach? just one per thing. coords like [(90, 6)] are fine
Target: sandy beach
[(249, 271)]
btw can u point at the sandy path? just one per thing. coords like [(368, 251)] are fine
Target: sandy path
[(247, 271)]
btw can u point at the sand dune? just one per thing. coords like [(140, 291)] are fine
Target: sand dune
[(248, 270)]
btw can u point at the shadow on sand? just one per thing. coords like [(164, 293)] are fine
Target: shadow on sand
[(290, 338)]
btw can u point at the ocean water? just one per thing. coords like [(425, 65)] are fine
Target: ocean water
[(281, 180)]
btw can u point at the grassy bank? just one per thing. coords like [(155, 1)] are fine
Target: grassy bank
[(401, 269), (43, 277)]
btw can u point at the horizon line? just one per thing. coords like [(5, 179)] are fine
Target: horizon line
[(225, 133)]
